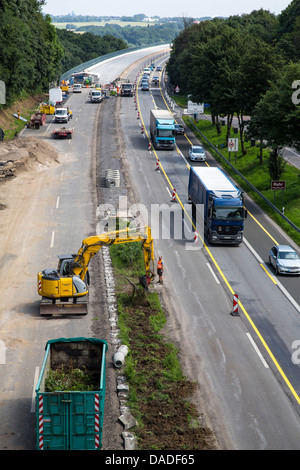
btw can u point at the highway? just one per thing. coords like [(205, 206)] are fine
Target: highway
[(249, 385), (245, 362)]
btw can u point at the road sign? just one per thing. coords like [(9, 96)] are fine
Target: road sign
[(275, 184), (233, 145)]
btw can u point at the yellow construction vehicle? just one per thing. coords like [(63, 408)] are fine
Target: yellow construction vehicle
[(64, 290)]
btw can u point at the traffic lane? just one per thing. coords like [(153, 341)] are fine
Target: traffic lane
[(220, 345), (232, 264), (258, 236), (270, 310), (197, 324), (260, 230), (49, 216), (262, 233), (111, 69)]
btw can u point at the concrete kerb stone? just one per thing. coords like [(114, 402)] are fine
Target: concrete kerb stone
[(126, 417)]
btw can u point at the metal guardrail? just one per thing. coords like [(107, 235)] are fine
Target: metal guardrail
[(98, 60), (246, 181)]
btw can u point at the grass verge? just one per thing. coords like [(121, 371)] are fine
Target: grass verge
[(160, 396)]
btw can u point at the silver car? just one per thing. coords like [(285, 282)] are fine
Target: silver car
[(197, 153), (284, 259)]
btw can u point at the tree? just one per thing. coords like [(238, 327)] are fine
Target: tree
[(276, 117), (276, 164)]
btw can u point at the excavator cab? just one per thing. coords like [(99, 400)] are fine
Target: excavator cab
[(65, 290)]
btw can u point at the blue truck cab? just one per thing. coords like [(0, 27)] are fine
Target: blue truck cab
[(162, 129), (222, 202)]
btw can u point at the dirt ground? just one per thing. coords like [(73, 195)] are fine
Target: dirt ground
[(170, 419)]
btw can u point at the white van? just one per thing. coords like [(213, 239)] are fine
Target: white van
[(77, 88), (95, 96), (147, 71)]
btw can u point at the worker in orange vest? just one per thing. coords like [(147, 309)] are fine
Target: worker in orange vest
[(160, 269)]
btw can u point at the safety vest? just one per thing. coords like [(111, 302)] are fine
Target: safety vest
[(160, 264)]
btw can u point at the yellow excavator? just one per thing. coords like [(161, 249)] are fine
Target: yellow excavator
[(64, 290)]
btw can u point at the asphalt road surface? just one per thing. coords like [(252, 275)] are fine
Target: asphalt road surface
[(249, 385)]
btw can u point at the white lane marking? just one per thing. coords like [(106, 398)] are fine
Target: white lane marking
[(283, 289), (52, 239), (57, 202), (215, 277), (2, 352), (257, 350)]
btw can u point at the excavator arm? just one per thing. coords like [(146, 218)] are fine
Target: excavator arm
[(64, 289)]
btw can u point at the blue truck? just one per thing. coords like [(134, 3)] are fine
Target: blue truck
[(162, 129), (222, 203), (70, 395)]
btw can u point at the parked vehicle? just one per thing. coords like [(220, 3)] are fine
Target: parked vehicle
[(179, 129), (65, 290), (222, 203), (197, 153), (36, 120), (77, 88), (284, 259), (162, 129), (55, 96), (70, 416)]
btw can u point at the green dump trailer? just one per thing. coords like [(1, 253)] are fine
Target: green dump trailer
[(71, 419)]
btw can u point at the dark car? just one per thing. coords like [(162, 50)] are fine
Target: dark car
[(179, 129), (158, 69)]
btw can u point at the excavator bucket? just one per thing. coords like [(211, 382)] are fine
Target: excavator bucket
[(63, 307)]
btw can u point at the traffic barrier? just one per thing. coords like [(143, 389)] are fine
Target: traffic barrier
[(196, 237), (157, 165), (142, 129), (138, 115), (174, 195), (235, 310), (149, 146)]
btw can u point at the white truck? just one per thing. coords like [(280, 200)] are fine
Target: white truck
[(55, 96), (95, 96)]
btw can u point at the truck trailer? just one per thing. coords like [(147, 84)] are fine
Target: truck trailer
[(70, 395), (223, 205), (162, 129)]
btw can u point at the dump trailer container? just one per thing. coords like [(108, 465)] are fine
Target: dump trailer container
[(71, 419)]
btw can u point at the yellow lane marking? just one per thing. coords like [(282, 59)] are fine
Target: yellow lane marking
[(268, 350), (261, 226), (270, 276)]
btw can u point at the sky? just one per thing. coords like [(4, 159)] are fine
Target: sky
[(163, 8)]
